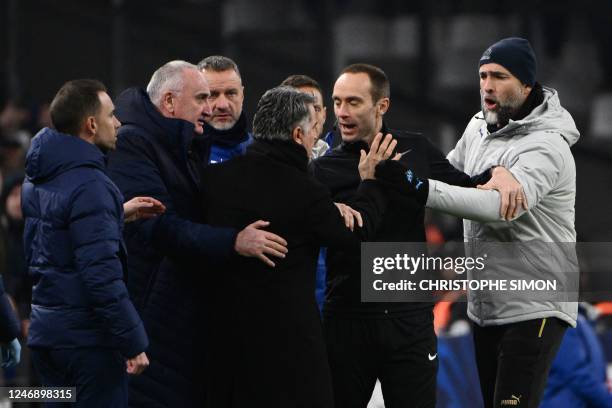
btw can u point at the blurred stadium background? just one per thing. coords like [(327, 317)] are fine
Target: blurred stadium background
[(429, 50)]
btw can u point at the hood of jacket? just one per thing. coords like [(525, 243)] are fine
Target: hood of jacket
[(52, 153), (549, 116)]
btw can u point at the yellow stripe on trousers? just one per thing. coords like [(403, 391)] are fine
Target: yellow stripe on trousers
[(542, 328)]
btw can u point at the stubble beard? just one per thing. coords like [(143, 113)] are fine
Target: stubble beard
[(504, 112), (223, 125)]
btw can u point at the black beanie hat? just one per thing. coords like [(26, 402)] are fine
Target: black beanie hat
[(516, 55)]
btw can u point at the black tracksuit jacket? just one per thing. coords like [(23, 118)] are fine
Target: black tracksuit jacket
[(403, 220)]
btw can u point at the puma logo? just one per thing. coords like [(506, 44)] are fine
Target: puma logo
[(514, 401)]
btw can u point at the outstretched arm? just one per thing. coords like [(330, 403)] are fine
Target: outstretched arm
[(136, 173), (482, 205)]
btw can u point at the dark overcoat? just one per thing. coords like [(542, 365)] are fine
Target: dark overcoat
[(267, 348)]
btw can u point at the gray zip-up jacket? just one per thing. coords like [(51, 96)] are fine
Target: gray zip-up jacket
[(536, 150)]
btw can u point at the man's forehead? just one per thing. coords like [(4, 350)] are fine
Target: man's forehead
[(357, 83), (227, 77), (105, 100), (494, 68), (194, 78)]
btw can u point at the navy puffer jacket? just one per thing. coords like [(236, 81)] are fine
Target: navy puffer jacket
[(74, 249), (168, 254)]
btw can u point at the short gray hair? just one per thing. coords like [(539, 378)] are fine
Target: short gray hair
[(168, 77), (219, 63), (279, 111)]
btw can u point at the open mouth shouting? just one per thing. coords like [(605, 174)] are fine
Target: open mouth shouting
[(490, 104)]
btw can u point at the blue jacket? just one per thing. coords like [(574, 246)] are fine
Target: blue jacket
[(74, 249), (577, 377), (457, 378), (321, 263), (167, 253), (230, 143), (220, 153)]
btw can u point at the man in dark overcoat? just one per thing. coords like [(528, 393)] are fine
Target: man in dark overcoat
[(267, 348)]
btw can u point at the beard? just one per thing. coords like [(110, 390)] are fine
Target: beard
[(504, 111), (223, 125)]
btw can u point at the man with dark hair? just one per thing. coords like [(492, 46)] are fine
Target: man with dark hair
[(161, 151), (523, 127), (83, 324), (304, 83), (301, 81), (267, 348), (226, 125), (380, 87), (394, 342), (73, 102)]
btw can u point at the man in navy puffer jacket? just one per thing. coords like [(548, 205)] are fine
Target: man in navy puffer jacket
[(83, 324)]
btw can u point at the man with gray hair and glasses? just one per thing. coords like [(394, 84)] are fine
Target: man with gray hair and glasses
[(160, 152), (266, 347)]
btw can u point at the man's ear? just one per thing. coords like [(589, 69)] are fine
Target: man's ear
[(90, 125), (168, 102), (298, 135), (383, 106)]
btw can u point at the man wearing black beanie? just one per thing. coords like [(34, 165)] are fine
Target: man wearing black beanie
[(522, 127), (516, 59)]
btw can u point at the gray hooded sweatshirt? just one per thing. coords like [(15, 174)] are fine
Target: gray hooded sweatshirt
[(536, 150)]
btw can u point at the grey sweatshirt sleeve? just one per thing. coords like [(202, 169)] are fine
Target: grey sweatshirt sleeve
[(470, 203), (536, 167)]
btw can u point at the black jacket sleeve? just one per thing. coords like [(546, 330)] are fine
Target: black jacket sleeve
[(136, 174), (442, 170), (327, 226)]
